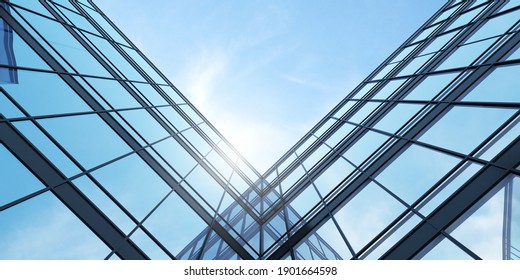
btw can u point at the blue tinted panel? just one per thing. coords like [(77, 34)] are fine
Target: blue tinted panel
[(32, 5), (465, 18), (19, 53), (145, 66), (488, 219), (103, 202), (206, 186), (466, 55), (305, 201), (403, 53), (7, 108), (145, 124), (88, 138), (464, 128), (414, 65), (445, 250), (397, 117), (176, 155), (496, 26), (43, 93), (17, 180), (361, 221), (43, 228), (112, 56), (114, 93), (148, 246), (503, 139), (388, 89), (499, 86), (66, 45), (362, 113), (106, 26), (431, 86), (331, 177), (151, 94), (438, 43), (364, 147), (133, 183), (49, 149), (415, 171)]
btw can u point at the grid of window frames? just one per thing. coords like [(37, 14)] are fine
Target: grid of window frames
[(97, 145)]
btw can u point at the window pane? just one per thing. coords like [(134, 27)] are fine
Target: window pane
[(133, 183), (415, 171), (361, 221), (466, 55), (174, 224), (499, 86), (88, 138), (17, 180), (43, 228), (331, 177), (431, 86), (364, 147), (497, 222), (462, 129)]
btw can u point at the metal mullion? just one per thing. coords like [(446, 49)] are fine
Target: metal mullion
[(140, 101)]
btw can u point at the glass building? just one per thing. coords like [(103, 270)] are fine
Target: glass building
[(101, 157)]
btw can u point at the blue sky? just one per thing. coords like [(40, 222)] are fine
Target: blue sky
[(265, 72)]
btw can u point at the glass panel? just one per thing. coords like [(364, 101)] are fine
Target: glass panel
[(496, 219), (176, 156), (66, 45), (414, 65), (465, 18), (388, 89), (499, 86), (415, 171), (105, 204), (43, 93), (438, 43), (361, 221), (149, 247), (114, 93), (496, 26), (145, 66), (206, 187), (47, 148), (383, 72), (514, 55), (503, 139), (88, 138), (430, 86), (397, 117), (510, 5), (367, 109), (17, 180), (113, 57), (43, 228), (305, 201), (32, 5), (134, 184), (331, 177), (425, 33), (174, 224), (403, 53), (364, 147), (446, 14), (151, 94), (449, 187), (106, 26), (324, 127), (145, 125), (466, 55), (462, 129), (15, 52), (7, 108), (445, 250), (340, 134), (393, 236)]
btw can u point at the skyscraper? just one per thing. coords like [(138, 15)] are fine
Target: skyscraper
[(102, 157)]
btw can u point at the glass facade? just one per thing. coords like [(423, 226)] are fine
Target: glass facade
[(101, 157)]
